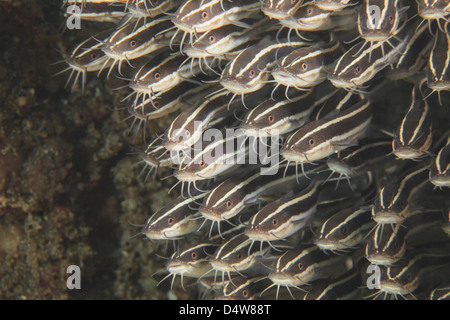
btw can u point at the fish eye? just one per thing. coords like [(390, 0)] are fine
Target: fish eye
[(409, 276), (270, 118), (157, 75), (300, 265), (170, 220), (133, 43), (252, 73), (202, 163), (194, 255), (204, 15), (156, 104), (187, 133), (93, 56), (238, 255), (274, 222), (311, 141), (155, 2), (229, 203), (212, 39), (304, 66), (244, 293), (309, 10), (357, 69), (391, 19)]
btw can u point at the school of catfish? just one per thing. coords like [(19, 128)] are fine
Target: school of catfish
[(360, 183)]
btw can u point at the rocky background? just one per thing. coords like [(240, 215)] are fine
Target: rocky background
[(69, 179)]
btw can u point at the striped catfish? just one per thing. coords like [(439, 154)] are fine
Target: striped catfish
[(282, 218), (161, 104), (197, 16), (236, 255), (413, 137), (383, 23), (345, 230), (221, 41), (300, 266), (250, 69), (440, 294), (359, 64), (187, 128), (420, 271), (151, 8), (321, 138), (438, 70), (354, 161), (134, 41), (234, 194), (307, 66), (278, 116), (174, 220), (242, 288), (440, 167), (347, 286), (280, 9), (191, 261), (154, 156), (161, 74), (430, 10), (215, 155), (386, 245), (309, 17), (415, 56), (86, 57), (392, 204)]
